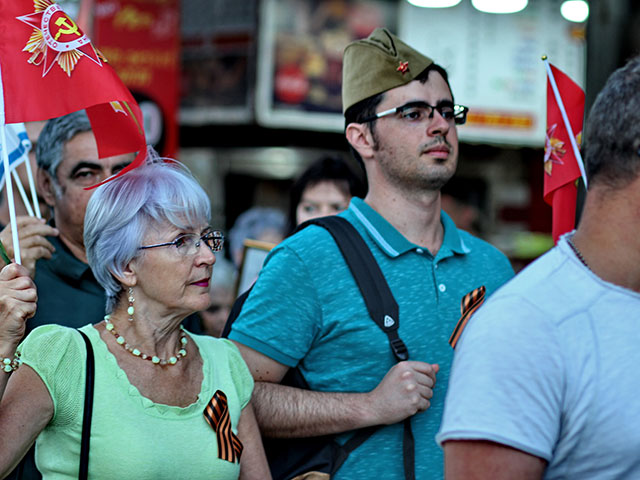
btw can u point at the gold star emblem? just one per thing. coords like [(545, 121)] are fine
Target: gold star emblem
[(56, 38)]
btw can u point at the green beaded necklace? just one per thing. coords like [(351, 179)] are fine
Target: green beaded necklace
[(152, 358)]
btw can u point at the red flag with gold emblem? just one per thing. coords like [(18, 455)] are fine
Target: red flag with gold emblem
[(560, 158), (49, 68)]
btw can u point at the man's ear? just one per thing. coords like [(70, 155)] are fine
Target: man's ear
[(360, 137), (46, 187)]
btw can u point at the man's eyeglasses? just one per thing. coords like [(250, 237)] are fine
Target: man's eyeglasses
[(421, 111), (189, 243)]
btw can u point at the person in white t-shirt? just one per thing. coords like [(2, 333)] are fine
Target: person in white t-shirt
[(544, 379)]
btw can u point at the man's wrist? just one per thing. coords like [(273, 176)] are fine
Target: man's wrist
[(367, 416)]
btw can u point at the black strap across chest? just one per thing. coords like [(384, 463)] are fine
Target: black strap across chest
[(383, 310), (83, 472), (382, 306)]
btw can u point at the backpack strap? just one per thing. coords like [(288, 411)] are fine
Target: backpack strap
[(236, 308), (83, 471), (383, 310), (376, 293)]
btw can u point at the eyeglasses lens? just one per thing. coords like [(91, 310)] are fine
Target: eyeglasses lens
[(214, 240), (460, 114)]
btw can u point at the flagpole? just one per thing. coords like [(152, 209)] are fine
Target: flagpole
[(23, 194), (565, 118), (9, 186), (32, 186)]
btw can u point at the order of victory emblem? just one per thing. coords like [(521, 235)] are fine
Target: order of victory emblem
[(554, 149), (56, 38)]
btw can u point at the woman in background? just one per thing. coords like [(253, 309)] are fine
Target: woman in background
[(324, 188)]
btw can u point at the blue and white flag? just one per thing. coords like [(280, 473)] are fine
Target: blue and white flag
[(18, 147)]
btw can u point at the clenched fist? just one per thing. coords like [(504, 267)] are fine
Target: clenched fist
[(405, 390)]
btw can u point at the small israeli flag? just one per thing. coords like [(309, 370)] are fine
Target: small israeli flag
[(18, 146)]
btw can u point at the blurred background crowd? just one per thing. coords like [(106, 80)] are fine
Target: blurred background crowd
[(247, 94)]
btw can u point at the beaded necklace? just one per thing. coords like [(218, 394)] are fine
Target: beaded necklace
[(577, 252), (182, 352)]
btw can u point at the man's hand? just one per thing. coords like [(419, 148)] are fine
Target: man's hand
[(33, 244), (405, 390), (18, 299)]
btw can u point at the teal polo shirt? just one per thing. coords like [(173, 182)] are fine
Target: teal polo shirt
[(306, 310)]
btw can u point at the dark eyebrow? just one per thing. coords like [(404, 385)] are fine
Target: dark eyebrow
[(81, 165), (96, 166), (422, 104)]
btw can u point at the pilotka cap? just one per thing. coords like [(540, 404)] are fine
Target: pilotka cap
[(376, 64)]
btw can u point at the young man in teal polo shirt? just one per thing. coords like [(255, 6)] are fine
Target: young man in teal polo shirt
[(305, 309)]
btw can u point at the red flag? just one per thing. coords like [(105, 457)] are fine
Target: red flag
[(560, 163), (50, 68)]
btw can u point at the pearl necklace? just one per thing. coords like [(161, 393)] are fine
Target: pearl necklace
[(152, 358)]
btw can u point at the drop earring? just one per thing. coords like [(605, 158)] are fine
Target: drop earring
[(131, 310)]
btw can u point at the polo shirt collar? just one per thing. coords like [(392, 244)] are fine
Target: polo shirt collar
[(64, 262), (452, 240), (392, 242)]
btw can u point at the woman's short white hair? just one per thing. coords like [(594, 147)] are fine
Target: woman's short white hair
[(120, 212)]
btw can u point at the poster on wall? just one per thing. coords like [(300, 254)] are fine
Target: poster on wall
[(218, 61), (141, 41), (300, 58), (494, 63)]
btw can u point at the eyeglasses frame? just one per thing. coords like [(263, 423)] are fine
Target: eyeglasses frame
[(459, 111), (217, 234)]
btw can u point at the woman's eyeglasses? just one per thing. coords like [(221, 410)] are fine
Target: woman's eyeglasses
[(189, 243)]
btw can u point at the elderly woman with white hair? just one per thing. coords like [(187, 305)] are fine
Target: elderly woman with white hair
[(165, 403)]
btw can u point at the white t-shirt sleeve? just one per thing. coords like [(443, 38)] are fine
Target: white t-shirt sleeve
[(507, 379)]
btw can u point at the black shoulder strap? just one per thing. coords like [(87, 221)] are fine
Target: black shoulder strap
[(88, 411), (234, 312), (383, 310), (380, 302), (382, 306)]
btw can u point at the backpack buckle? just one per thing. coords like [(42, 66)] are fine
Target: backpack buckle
[(399, 349)]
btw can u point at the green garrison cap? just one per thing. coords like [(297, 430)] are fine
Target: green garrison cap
[(376, 64)]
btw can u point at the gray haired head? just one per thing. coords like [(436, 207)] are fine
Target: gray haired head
[(54, 136), (120, 212), (254, 223), (612, 134)]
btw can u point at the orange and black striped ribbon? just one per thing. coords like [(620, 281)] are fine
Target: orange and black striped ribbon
[(469, 304), (217, 415)]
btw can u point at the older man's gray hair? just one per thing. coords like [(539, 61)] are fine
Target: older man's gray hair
[(55, 134), (612, 132)]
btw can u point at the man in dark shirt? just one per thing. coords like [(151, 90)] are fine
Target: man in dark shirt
[(67, 156)]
